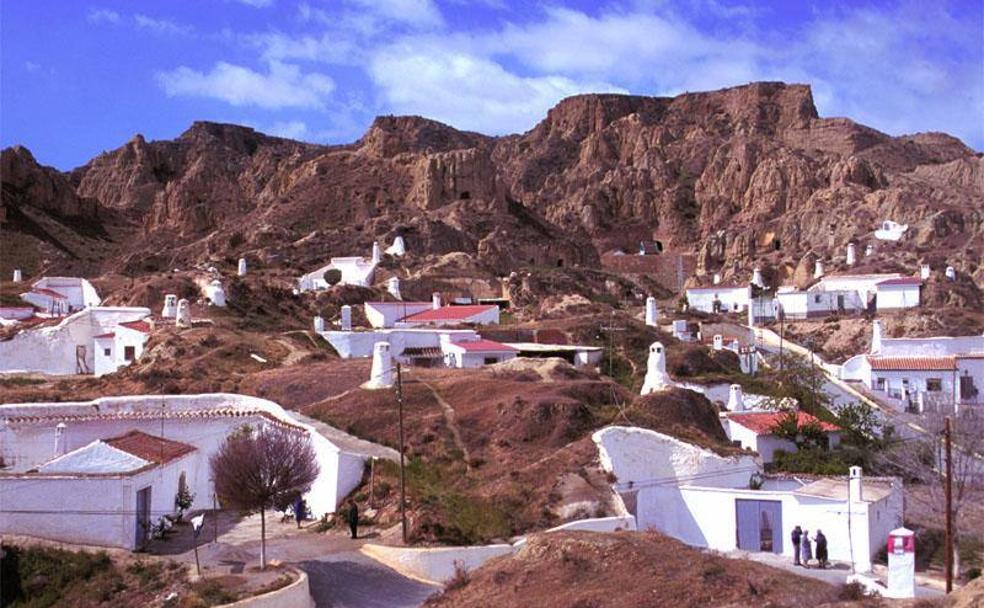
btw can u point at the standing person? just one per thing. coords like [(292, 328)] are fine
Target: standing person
[(796, 536), (806, 549), (821, 549), (353, 518), (298, 510)]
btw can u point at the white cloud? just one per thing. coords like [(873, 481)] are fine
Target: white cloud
[(469, 92), (102, 15), (417, 13), (291, 129), (284, 86), (334, 48), (161, 26), (257, 3), (31, 66)]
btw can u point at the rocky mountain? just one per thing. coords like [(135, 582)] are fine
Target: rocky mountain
[(740, 176)]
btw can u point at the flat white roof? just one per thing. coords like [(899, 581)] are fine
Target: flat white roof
[(542, 348)]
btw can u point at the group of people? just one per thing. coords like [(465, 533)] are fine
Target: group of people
[(803, 547)]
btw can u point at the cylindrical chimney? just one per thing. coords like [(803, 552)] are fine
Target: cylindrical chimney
[(856, 488), (436, 300), (346, 318)]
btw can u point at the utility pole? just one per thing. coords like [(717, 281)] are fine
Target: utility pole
[(611, 328), (947, 432), (403, 486)]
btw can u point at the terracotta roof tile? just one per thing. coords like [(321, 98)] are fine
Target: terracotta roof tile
[(141, 326), (485, 346), (901, 281), (150, 448), (449, 313), (913, 363), (762, 423)]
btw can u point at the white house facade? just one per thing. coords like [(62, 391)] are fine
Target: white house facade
[(475, 353), (754, 431), (78, 292), (386, 314), (719, 298), (894, 294), (355, 270)]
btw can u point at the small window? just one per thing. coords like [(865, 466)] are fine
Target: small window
[(129, 353), (880, 383), (934, 385), (491, 360), (108, 352), (816, 299)]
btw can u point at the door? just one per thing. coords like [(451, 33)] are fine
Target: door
[(840, 302), (759, 525), (143, 517)]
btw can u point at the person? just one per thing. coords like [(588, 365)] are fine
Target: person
[(353, 518), (821, 541), (796, 536), (300, 509), (806, 549)]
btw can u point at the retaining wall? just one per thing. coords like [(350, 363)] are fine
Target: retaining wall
[(294, 595)]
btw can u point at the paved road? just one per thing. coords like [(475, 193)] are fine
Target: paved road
[(351, 580)]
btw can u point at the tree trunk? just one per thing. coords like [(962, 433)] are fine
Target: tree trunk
[(262, 539)]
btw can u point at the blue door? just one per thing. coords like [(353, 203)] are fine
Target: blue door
[(759, 525)]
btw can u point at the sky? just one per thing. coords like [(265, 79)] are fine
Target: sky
[(78, 78)]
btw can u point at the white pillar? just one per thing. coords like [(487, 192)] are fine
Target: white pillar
[(376, 253), (951, 273), (757, 277), (736, 401), (242, 267), (718, 342), (18, 275), (856, 488), (435, 300), (652, 314), (183, 316), (393, 287), (876, 336), (901, 563), (60, 448), (868, 250), (319, 324), (656, 376), (346, 318), (818, 269), (924, 271), (717, 278), (170, 309), (850, 254), (382, 372)]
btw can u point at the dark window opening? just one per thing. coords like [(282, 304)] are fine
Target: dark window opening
[(659, 246), (560, 263), (532, 261), (107, 351), (129, 353), (465, 195), (776, 245), (491, 360), (934, 385)]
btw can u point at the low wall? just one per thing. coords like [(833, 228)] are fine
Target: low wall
[(434, 564), (294, 595), (597, 524)]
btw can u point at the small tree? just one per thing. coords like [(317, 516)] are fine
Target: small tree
[(333, 276), (258, 469)]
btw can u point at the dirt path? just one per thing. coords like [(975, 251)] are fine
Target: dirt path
[(451, 422), (294, 352)]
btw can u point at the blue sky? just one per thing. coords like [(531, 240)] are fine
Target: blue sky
[(80, 77)]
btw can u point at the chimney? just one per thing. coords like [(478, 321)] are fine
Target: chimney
[(381, 374), (346, 318), (855, 487), (850, 254), (242, 267), (736, 401), (876, 336), (868, 250), (818, 269), (717, 278), (435, 300), (393, 287), (951, 273), (757, 277), (60, 439), (924, 271), (651, 312), (319, 324), (377, 255), (18, 275), (718, 342)]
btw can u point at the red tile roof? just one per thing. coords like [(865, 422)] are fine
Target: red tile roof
[(109, 335), (450, 313), (762, 423), (148, 447), (48, 292), (913, 363), (141, 326), (485, 346), (901, 281)]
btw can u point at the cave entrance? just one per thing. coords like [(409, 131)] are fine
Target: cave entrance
[(560, 263), (776, 245), (464, 196)]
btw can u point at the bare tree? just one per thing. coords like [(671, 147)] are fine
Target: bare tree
[(921, 461), (258, 469)]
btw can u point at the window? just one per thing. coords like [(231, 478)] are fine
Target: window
[(880, 384), (816, 299), (108, 351), (934, 385), (129, 353), (491, 360)]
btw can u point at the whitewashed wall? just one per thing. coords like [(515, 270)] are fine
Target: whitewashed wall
[(892, 297), (386, 314), (351, 344), (931, 347), (733, 299)]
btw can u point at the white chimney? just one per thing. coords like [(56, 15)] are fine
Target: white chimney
[(376, 253), (850, 254), (868, 250), (170, 309), (319, 324), (757, 277), (736, 401), (393, 287), (242, 267), (398, 248), (651, 313), (818, 269), (718, 342), (381, 374), (183, 316), (60, 448), (18, 275), (656, 377), (951, 273), (855, 487), (717, 278), (435, 300), (924, 271), (346, 318), (876, 336)]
